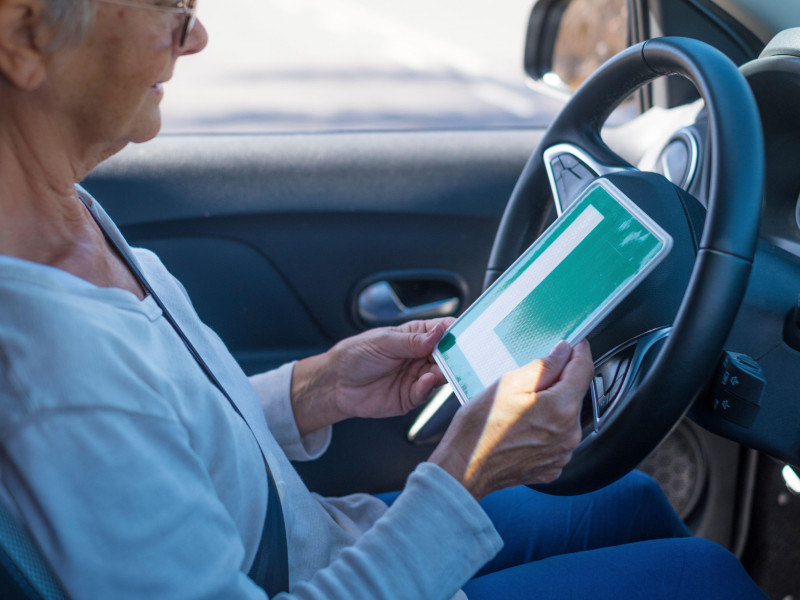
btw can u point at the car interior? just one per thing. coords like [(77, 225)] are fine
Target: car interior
[(289, 242)]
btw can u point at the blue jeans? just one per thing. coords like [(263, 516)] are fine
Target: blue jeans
[(623, 541)]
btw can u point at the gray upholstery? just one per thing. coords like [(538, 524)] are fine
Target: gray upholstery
[(785, 43), (22, 565)]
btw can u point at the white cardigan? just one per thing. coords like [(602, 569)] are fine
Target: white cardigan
[(137, 479)]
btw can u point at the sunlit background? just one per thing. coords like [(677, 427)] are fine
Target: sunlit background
[(311, 65)]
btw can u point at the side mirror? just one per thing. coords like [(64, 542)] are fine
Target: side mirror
[(568, 39)]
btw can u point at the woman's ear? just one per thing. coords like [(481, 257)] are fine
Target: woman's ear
[(24, 35)]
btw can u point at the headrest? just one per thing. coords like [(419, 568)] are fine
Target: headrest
[(785, 43)]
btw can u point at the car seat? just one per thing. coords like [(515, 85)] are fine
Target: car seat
[(24, 574)]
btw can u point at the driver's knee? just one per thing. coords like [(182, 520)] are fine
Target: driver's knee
[(653, 569), (712, 568), (649, 513), (649, 491)]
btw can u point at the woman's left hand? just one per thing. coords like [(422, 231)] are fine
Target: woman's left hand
[(379, 373)]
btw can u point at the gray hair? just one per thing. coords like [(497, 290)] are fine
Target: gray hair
[(71, 20)]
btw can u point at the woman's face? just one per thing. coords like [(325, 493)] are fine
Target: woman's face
[(109, 87)]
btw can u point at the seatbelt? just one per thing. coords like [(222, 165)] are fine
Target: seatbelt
[(270, 569)]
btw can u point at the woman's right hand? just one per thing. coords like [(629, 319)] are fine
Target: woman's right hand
[(524, 428)]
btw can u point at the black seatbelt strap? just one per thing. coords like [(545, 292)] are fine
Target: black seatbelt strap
[(270, 569)]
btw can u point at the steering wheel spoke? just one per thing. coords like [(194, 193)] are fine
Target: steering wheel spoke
[(617, 373), (570, 170)]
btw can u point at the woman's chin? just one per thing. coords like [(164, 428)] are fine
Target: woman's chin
[(146, 128), (146, 123)]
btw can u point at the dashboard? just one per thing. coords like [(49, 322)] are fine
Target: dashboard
[(775, 81)]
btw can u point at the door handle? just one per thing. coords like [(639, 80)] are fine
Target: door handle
[(379, 304)]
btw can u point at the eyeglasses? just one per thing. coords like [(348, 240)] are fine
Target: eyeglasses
[(187, 8)]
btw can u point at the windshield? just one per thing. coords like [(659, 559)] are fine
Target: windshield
[(318, 65)]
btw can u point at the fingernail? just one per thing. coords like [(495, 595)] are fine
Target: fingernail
[(561, 350)]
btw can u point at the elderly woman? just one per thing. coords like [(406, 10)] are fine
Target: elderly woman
[(144, 464)]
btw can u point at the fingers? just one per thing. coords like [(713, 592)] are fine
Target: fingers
[(578, 372), (562, 363), (422, 388), (541, 373), (426, 381), (416, 339), (428, 324), (426, 343)]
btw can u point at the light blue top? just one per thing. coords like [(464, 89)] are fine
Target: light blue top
[(136, 478)]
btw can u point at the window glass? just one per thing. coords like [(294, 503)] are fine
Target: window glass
[(316, 65)]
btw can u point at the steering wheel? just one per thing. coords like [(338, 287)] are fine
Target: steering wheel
[(659, 347)]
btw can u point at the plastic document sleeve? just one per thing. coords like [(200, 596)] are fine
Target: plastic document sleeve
[(561, 287)]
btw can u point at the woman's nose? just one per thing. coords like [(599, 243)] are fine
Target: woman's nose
[(196, 40)]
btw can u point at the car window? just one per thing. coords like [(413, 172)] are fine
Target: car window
[(317, 65)]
